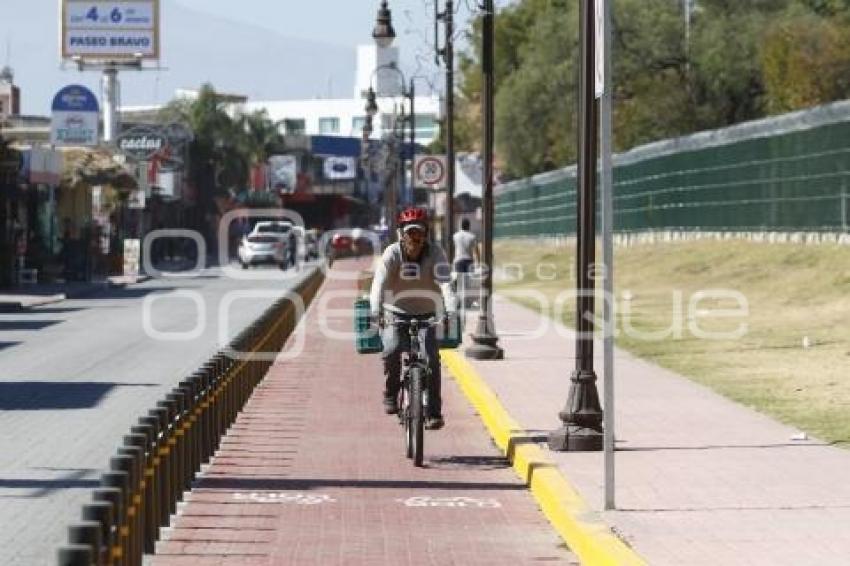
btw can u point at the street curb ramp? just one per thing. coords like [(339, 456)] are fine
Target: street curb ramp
[(579, 526), (162, 454)]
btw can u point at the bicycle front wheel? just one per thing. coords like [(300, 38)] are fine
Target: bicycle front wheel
[(404, 417), (417, 415)]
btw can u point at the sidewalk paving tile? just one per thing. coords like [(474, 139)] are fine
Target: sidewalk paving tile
[(700, 480)]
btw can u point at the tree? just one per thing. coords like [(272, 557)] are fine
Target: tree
[(805, 59)]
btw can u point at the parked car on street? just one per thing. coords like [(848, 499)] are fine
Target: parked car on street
[(284, 232), (255, 249)]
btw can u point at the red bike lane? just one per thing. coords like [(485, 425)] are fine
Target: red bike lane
[(313, 472)]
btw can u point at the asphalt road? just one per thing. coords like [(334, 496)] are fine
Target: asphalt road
[(74, 376)]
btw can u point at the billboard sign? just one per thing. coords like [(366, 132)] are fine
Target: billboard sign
[(110, 30), (283, 170), (74, 119)]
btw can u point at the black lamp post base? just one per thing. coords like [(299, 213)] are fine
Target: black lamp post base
[(485, 348), (575, 439)]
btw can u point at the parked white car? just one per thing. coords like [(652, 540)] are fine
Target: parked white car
[(255, 249), (283, 230)]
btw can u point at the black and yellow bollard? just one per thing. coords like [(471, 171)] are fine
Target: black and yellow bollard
[(142, 436), (75, 555), (131, 467), (87, 533), (101, 513), (138, 488), (114, 498), (121, 481)]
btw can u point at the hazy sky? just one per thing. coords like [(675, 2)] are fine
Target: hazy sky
[(266, 49)]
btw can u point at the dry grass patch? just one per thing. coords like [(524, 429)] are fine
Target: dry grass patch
[(793, 292)]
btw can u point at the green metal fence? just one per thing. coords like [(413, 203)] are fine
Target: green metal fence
[(787, 174)]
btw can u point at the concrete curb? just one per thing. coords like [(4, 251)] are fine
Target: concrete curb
[(120, 281), (16, 303), (580, 527)]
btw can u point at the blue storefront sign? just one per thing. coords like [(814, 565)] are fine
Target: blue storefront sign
[(75, 117)]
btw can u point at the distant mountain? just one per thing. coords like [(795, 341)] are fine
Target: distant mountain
[(195, 48), (240, 58)]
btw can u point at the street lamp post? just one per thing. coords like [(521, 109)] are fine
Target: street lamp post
[(485, 338), (384, 34), (447, 54), (581, 428)]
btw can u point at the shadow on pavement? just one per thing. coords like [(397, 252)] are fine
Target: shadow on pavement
[(261, 483), (48, 485), (56, 395), (471, 462), (4, 345), (134, 293), (802, 444), (53, 310), (44, 486), (12, 325)]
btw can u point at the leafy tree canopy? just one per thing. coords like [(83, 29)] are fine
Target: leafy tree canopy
[(744, 60)]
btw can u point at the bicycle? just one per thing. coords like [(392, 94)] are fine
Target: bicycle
[(415, 379)]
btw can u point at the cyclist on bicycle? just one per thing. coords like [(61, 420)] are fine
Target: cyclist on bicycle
[(413, 277)]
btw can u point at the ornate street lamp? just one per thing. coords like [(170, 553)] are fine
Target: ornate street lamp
[(371, 103), (384, 34), (581, 417), (485, 338)]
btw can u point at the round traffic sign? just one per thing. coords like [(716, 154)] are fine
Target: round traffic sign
[(430, 171)]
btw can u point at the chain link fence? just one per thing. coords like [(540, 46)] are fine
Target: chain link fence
[(784, 174)]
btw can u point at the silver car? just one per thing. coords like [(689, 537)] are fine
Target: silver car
[(255, 249)]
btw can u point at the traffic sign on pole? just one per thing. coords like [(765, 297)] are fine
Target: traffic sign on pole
[(430, 172)]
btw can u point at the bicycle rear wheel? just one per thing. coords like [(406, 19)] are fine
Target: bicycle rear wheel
[(417, 415)]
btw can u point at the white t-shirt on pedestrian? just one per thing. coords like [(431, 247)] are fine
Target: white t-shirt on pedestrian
[(465, 242)]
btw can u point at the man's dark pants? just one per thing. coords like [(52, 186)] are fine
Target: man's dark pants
[(397, 341)]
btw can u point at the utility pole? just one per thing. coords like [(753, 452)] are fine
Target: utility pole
[(447, 54), (412, 124)]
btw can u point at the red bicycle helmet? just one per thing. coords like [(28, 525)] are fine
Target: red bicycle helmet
[(413, 215)]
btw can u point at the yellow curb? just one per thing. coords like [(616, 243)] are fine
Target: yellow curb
[(580, 527)]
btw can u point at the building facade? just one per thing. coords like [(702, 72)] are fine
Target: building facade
[(345, 117), (10, 95)]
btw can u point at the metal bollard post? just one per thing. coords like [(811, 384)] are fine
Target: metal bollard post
[(138, 489), (211, 369), (204, 414), (87, 533), (121, 480), (175, 409), (131, 466), (184, 400), (75, 555), (174, 452), (160, 469), (142, 436), (166, 457), (114, 498), (189, 388), (101, 513)]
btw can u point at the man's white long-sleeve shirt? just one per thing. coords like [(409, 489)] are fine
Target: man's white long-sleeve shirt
[(416, 287)]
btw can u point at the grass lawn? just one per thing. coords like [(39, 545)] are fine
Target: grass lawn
[(793, 294)]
